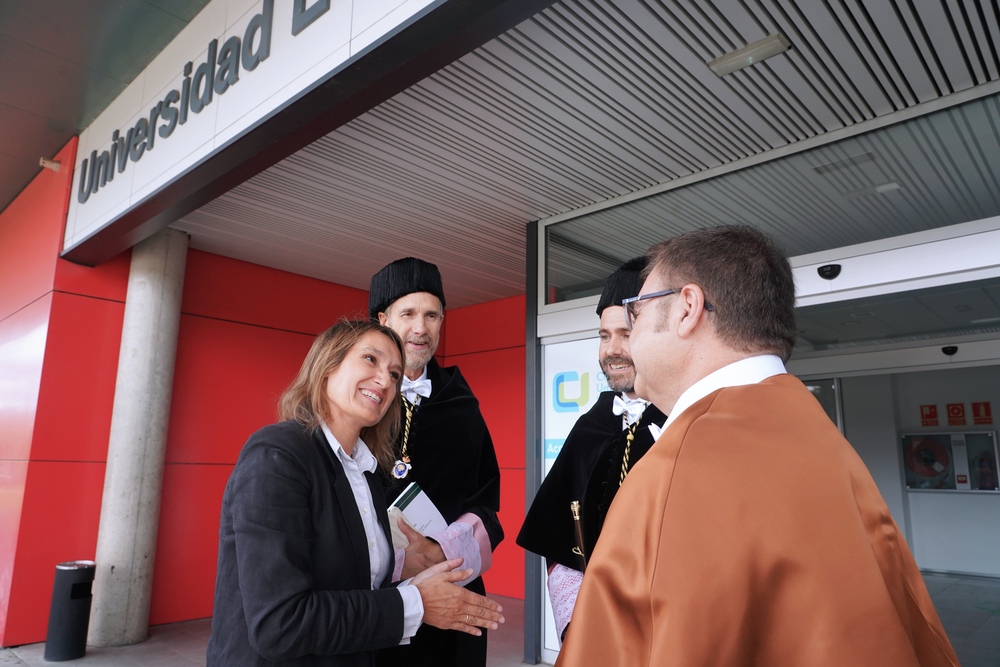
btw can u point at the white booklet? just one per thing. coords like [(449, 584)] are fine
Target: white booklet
[(417, 510)]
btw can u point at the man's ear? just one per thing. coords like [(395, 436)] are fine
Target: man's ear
[(382, 318), (693, 302)]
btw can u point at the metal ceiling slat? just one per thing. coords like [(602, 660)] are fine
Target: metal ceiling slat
[(711, 96), (625, 99), (989, 20), (841, 41), (643, 67), (578, 102), (907, 161), (815, 57), (934, 17), (973, 159), (679, 99), (961, 23), (879, 58), (945, 146), (561, 99), (533, 121), (516, 130), (866, 61), (915, 79)]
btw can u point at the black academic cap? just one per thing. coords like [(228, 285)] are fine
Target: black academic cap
[(402, 277), (622, 284)]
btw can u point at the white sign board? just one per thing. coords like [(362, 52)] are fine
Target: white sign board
[(572, 381), (234, 64)]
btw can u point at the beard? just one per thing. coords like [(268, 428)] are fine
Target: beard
[(415, 361), (620, 381)]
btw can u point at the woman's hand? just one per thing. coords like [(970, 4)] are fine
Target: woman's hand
[(451, 607), (420, 553)]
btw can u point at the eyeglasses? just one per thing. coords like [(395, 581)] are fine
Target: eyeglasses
[(631, 304)]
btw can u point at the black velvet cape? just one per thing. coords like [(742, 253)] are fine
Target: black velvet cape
[(587, 469), (454, 462)]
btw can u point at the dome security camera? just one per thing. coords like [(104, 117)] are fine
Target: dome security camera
[(950, 350), (829, 271)]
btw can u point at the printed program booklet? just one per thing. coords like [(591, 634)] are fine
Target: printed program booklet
[(417, 510)]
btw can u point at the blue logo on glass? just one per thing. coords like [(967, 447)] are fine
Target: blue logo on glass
[(561, 401)]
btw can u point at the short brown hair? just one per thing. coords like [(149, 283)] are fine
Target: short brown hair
[(745, 275), (305, 398)]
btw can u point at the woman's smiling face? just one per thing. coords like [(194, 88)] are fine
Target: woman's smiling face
[(360, 390)]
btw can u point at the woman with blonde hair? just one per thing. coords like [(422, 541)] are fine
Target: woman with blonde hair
[(304, 541)]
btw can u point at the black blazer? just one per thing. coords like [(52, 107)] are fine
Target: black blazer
[(293, 583)]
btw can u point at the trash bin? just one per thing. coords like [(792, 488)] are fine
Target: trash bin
[(69, 615)]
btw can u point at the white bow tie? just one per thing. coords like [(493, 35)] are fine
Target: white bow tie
[(414, 388), (632, 407)]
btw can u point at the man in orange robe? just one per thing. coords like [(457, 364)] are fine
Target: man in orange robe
[(751, 533)]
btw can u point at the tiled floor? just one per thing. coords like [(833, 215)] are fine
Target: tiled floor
[(969, 608), (183, 645)]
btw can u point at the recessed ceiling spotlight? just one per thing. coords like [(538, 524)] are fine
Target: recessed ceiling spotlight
[(750, 54)]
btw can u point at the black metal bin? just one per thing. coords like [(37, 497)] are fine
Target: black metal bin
[(69, 615)]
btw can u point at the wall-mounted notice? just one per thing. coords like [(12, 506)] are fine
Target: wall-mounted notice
[(981, 413), (928, 415), (956, 414)]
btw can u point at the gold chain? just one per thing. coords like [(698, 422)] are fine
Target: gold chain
[(408, 407), (629, 437)]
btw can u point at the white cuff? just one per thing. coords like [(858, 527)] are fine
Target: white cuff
[(413, 610)]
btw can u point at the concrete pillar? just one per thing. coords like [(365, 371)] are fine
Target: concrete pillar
[(130, 509)]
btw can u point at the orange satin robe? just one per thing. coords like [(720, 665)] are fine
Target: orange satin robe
[(752, 534)]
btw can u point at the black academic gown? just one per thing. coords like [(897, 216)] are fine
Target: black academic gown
[(453, 460), (587, 469)]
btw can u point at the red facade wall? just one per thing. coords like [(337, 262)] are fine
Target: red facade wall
[(487, 342), (244, 331), (60, 327)]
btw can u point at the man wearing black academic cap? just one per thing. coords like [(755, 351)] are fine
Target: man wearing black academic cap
[(444, 446), (598, 453)]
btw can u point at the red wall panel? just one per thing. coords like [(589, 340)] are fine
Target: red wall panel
[(228, 289), (107, 281), (62, 507), (497, 379), (13, 475), (487, 342), (486, 326), (78, 382), (22, 354), (506, 576), (227, 381), (188, 542), (31, 230)]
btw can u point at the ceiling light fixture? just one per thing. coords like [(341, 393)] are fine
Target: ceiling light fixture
[(881, 189), (750, 54)]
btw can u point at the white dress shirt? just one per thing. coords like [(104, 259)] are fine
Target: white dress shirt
[(745, 371), (379, 553)]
